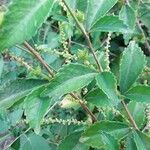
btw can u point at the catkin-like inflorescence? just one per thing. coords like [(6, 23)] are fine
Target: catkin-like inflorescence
[(21, 62), (147, 110), (64, 122), (107, 51)]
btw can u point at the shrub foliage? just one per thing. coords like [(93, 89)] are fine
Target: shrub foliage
[(74, 74)]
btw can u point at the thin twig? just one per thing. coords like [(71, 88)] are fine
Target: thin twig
[(39, 58), (129, 115), (95, 57), (94, 119), (36, 54), (85, 35), (131, 119)]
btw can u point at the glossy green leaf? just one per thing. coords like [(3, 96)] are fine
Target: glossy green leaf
[(116, 129), (81, 5), (137, 111), (108, 84), (15, 90), (130, 143), (139, 93), (32, 142), (72, 4), (92, 10), (132, 64), (110, 24), (35, 105), (104, 141), (96, 10), (9, 119), (70, 78), (14, 117), (126, 14), (98, 98), (142, 141), (72, 142), (4, 125), (22, 21)]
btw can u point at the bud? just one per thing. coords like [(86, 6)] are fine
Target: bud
[(80, 16), (82, 54)]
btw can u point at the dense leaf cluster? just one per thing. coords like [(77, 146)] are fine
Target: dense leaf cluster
[(74, 74)]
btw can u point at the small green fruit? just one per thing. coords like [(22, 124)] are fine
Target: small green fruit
[(80, 16), (82, 54)]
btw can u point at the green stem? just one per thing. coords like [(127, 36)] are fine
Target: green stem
[(51, 72), (94, 119), (35, 53), (129, 115), (85, 35)]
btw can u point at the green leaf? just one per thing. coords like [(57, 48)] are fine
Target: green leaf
[(72, 142), (35, 105), (142, 141), (107, 83), (116, 129), (98, 98), (71, 78), (126, 14), (4, 125), (15, 90), (139, 93), (110, 24), (9, 119), (14, 117), (130, 144), (1, 65), (104, 141), (96, 10), (72, 4), (22, 21), (32, 142), (132, 64), (137, 111)]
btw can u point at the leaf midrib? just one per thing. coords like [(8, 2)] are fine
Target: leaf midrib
[(28, 16), (128, 69), (70, 81)]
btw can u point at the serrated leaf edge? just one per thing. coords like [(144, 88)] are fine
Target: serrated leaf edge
[(61, 71), (120, 65), (115, 81), (102, 15)]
